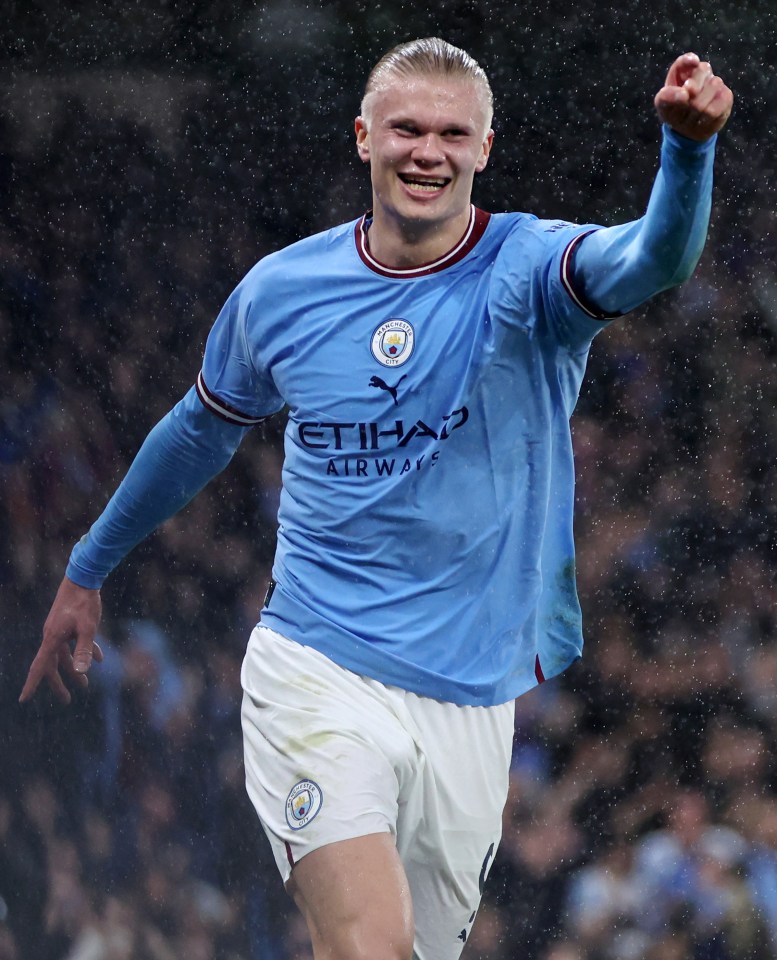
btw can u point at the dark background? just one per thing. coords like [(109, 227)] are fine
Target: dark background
[(150, 153)]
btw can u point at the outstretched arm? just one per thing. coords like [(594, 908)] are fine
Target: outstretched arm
[(185, 450), (618, 268)]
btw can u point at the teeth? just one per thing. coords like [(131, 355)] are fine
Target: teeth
[(424, 185)]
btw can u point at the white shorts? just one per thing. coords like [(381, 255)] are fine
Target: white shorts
[(331, 755)]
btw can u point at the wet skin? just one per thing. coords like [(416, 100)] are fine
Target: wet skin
[(424, 138)]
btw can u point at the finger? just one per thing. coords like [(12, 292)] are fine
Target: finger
[(67, 667), (707, 114), (722, 105), (671, 97), (44, 668), (672, 105), (58, 688), (707, 96), (30, 684), (696, 82), (97, 653), (43, 664), (83, 653), (681, 69)]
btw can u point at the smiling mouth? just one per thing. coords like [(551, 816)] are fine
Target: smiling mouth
[(422, 185)]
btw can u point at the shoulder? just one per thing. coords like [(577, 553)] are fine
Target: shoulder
[(527, 227), (503, 225), (531, 244), (524, 234), (285, 266)]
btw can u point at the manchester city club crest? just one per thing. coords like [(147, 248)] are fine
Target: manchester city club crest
[(392, 343), (303, 803)]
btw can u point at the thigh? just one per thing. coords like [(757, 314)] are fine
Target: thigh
[(450, 819), (324, 753), (356, 900)]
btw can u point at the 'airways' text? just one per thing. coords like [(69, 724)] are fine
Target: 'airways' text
[(362, 467)]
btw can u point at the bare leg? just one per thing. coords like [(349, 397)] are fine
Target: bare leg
[(355, 898)]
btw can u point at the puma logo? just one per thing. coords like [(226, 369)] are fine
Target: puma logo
[(382, 385)]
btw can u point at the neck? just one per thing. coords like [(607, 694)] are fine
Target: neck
[(399, 244)]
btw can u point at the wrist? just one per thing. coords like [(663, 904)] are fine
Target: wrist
[(687, 144)]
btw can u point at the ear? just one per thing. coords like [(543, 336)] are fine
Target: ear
[(362, 139), (485, 152)]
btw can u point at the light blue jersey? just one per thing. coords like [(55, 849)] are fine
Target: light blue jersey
[(425, 533), (425, 524)]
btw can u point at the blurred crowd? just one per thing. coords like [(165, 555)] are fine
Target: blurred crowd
[(642, 818)]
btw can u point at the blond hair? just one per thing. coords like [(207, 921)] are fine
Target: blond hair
[(429, 56)]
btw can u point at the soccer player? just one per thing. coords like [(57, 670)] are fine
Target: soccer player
[(430, 356)]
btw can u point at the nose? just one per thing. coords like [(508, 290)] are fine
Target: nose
[(428, 150)]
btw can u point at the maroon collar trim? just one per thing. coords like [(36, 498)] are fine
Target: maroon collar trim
[(478, 221)]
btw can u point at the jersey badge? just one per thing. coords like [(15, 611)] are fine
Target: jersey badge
[(303, 803), (393, 342)]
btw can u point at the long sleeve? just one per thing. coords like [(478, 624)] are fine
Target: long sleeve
[(618, 268), (185, 450)]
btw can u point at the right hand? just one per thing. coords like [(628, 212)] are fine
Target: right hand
[(74, 616), (693, 101)]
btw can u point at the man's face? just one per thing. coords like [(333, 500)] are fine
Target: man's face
[(425, 138)]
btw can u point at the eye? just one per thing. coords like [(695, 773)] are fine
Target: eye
[(406, 128)]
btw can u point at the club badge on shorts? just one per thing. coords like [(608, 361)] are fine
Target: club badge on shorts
[(393, 342), (303, 803)]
